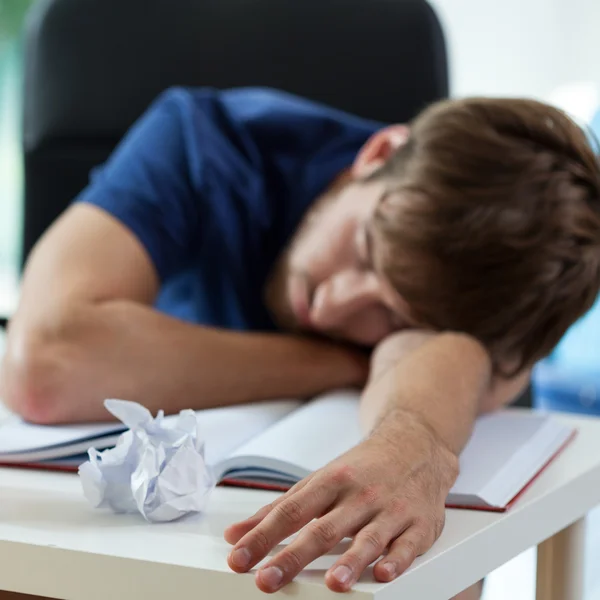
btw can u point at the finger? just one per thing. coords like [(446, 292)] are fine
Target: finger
[(284, 519), (368, 545), (316, 539), (402, 553), (236, 531)]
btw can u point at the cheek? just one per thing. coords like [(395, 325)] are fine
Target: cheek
[(325, 247), (368, 327)]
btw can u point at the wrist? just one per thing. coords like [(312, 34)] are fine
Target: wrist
[(330, 365), (420, 443), (345, 366)]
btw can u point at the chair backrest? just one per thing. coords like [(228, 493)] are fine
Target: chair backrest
[(93, 66)]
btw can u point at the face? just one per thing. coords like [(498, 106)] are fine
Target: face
[(327, 282)]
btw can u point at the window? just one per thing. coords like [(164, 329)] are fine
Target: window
[(12, 16)]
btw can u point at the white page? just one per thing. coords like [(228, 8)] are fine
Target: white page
[(526, 462), (505, 451), (495, 440), (225, 429), (309, 438), (17, 436), (72, 449)]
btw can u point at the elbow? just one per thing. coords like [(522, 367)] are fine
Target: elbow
[(35, 376)]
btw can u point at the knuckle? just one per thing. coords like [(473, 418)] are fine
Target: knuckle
[(372, 539), (369, 495), (325, 533), (293, 489), (411, 548), (420, 539), (343, 475), (439, 521), (352, 559), (421, 529), (453, 468), (261, 541), (265, 510), (398, 507), (429, 528), (422, 524), (290, 561), (290, 511)]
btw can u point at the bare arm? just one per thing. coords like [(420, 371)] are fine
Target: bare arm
[(388, 493), (85, 331), (443, 378)]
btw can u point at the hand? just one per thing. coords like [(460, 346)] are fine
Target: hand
[(387, 493)]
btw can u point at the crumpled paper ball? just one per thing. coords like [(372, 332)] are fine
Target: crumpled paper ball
[(157, 467)]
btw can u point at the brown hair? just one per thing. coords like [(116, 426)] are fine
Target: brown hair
[(491, 224)]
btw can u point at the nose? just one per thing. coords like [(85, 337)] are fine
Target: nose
[(342, 295)]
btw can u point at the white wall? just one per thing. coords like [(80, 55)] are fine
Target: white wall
[(521, 47), (582, 17)]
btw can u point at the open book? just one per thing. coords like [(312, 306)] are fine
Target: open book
[(274, 444)]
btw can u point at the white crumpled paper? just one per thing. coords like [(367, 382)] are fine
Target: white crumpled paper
[(156, 468)]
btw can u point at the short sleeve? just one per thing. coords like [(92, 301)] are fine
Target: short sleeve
[(224, 171), (152, 183)]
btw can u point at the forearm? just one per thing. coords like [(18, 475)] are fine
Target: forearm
[(440, 383), (126, 350)]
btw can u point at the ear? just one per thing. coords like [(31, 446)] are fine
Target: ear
[(378, 148)]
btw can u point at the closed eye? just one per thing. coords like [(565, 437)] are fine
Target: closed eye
[(364, 249)]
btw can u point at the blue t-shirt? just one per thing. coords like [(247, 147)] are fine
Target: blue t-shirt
[(214, 184)]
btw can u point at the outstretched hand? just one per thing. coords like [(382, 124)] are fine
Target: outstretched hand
[(387, 493)]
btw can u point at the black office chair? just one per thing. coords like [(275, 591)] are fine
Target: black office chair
[(93, 66)]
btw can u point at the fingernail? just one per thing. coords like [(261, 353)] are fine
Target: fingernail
[(241, 557), (342, 573), (389, 569), (272, 577)]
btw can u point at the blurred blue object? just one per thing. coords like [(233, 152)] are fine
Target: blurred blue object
[(579, 349), (569, 380), (594, 132), (572, 389), (595, 124)]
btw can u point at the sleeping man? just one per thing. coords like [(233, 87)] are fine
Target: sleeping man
[(247, 244)]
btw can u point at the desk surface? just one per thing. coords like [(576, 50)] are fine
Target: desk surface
[(52, 543)]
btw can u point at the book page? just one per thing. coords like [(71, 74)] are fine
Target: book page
[(17, 436), (307, 439), (226, 429), (527, 462), (495, 439), (505, 451)]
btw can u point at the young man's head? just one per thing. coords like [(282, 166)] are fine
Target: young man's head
[(482, 217)]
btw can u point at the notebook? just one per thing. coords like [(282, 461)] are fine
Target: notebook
[(271, 445)]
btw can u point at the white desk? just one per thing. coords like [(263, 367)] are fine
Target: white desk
[(53, 544)]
